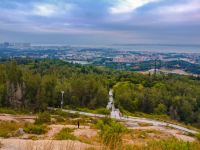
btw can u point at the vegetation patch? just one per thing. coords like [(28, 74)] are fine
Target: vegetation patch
[(65, 134), (42, 118), (8, 129), (197, 136), (167, 144), (7, 111), (35, 129), (111, 132), (12, 111), (102, 111), (59, 112)]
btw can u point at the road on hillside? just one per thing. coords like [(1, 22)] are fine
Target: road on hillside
[(115, 114)]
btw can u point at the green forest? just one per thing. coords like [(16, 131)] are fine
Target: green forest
[(36, 84)]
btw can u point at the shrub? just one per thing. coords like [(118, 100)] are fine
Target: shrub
[(65, 134), (8, 129), (35, 129), (42, 118), (197, 136), (111, 133)]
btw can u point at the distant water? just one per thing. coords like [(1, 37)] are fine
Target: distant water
[(160, 48)]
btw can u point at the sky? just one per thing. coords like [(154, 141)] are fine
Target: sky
[(93, 22)]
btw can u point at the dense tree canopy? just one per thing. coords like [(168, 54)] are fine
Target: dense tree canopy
[(37, 84), (178, 98)]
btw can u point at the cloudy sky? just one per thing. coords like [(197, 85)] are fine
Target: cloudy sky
[(100, 21)]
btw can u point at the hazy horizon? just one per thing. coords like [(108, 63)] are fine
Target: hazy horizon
[(102, 22)]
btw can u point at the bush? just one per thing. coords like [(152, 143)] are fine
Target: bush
[(65, 134), (35, 129), (197, 136), (42, 118), (7, 129), (111, 133)]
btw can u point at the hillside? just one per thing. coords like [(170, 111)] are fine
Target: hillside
[(29, 87)]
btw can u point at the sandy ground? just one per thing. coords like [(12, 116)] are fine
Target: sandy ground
[(18, 144), (46, 141), (49, 143), (89, 133), (17, 118), (54, 129)]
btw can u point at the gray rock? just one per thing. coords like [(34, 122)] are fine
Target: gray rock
[(20, 132)]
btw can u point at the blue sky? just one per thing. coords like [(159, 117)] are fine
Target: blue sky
[(100, 21)]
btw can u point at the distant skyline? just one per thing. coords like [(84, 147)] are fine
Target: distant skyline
[(99, 22)]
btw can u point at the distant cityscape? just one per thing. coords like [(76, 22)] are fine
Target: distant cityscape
[(117, 58)]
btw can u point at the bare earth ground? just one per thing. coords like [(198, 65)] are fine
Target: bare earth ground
[(54, 129), (46, 141), (19, 144), (17, 118)]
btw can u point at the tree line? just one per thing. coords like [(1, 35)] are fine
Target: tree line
[(36, 84)]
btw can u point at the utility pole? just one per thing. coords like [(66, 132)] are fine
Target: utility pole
[(62, 92), (155, 69)]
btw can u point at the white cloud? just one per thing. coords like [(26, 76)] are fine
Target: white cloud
[(48, 10), (45, 10), (126, 6), (189, 6)]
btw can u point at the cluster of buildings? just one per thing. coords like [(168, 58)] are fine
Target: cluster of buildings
[(15, 45), (90, 55)]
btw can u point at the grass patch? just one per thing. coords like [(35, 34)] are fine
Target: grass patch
[(8, 129), (102, 111), (167, 144), (59, 112), (12, 111), (65, 134), (197, 136), (173, 144), (111, 132), (35, 129), (43, 118)]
